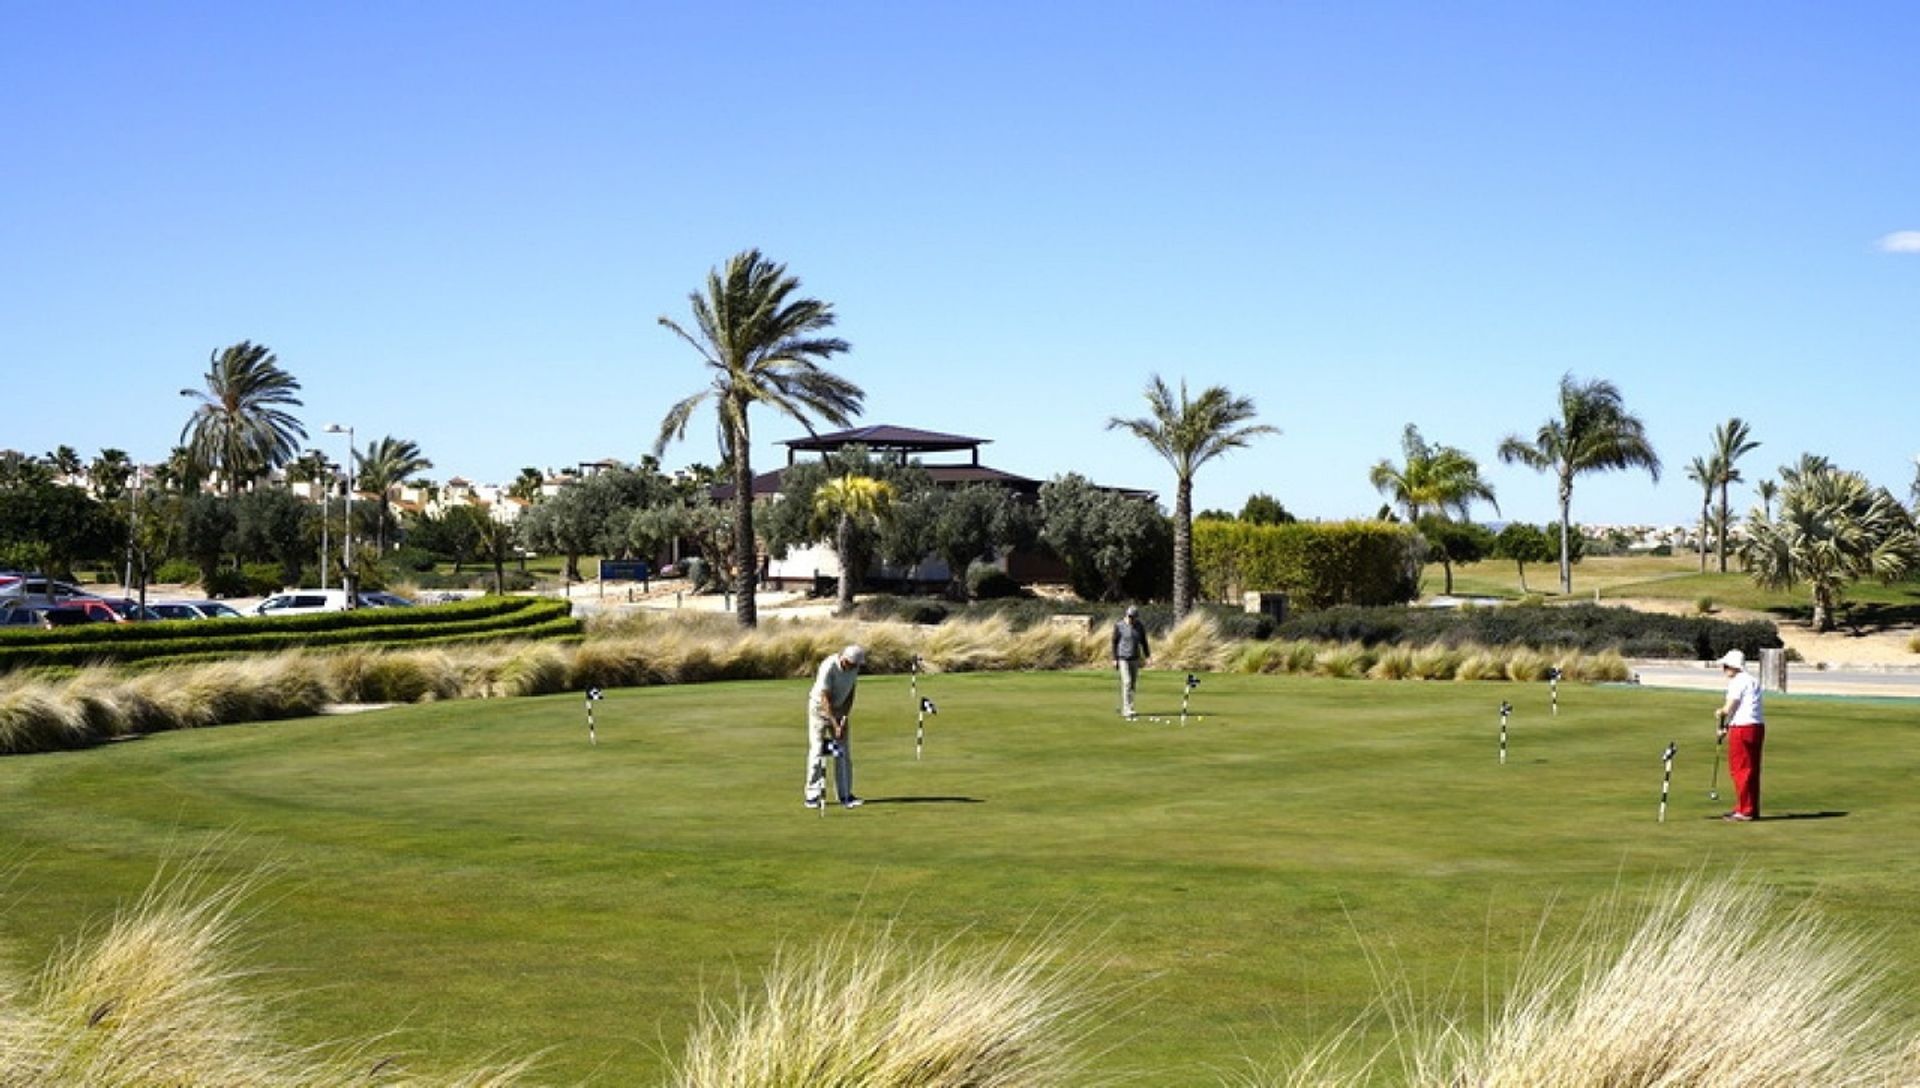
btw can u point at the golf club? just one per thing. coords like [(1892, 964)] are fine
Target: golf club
[(1666, 778), (593, 696), (1506, 708), (1719, 742)]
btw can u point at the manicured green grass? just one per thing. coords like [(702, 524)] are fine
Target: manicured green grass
[(477, 876), (1676, 577)]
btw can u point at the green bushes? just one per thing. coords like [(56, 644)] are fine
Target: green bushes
[(1585, 627), (486, 617), (988, 582), (1321, 564)]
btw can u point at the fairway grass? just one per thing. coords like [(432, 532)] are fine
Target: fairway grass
[(479, 879)]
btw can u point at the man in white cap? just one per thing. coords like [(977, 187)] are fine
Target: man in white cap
[(827, 708), (1743, 728), (1129, 652)]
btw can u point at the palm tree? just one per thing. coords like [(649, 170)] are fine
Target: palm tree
[(1593, 434), (1434, 479), (1731, 441), (1767, 490), (1834, 527), (240, 427), (842, 503), (1189, 434), (527, 485), (384, 464), (1706, 473), (762, 346)]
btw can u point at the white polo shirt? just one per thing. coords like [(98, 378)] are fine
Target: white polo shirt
[(1743, 691)]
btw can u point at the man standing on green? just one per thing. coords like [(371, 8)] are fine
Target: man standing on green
[(1129, 652), (828, 705)]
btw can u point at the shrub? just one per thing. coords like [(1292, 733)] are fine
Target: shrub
[(227, 583), (1704, 606), (986, 582), (176, 572), (1320, 563), (261, 579)]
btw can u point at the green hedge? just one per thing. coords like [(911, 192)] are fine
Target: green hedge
[(1587, 627), (518, 617), (1320, 564)]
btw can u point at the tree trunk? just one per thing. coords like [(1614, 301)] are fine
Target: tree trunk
[(1520, 563), (1724, 518), (1566, 553), (1703, 538), (745, 570), (1183, 549), (1822, 606), (1446, 564), (843, 548)]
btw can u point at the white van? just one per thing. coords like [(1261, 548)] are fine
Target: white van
[(303, 602)]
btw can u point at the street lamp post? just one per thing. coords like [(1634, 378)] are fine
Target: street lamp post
[(326, 487), (347, 581)]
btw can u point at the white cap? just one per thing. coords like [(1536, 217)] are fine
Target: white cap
[(855, 653), (1734, 660), (1133, 610)]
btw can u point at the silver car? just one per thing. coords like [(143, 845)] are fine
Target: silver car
[(193, 610)]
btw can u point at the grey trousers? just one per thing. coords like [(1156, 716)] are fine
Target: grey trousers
[(817, 734), (1129, 677)]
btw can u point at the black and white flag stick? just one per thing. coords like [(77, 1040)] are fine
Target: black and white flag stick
[(593, 696), (1666, 779), (1506, 708)]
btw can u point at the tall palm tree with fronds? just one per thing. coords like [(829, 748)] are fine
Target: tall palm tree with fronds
[(241, 427), (1189, 433), (762, 345), (1594, 433), (1434, 479), (1705, 472), (1732, 440), (1766, 489), (386, 463), (1834, 528), (842, 504)]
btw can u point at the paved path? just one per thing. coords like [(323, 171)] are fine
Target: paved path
[(1902, 682)]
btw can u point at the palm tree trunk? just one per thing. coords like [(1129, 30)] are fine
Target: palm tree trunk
[(1822, 606), (1703, 538), (1566, 553), (843, 548), (1723, 527), (745, 571), (1183, 548)]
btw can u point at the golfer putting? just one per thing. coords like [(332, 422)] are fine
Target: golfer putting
[(829, 704), (1742, 725)]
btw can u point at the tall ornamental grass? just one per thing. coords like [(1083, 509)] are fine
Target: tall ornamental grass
[(862, 1011), (1713, 985), (156, 999), (93, 705)]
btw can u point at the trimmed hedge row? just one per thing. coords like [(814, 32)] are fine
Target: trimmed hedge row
[(1587, 627), (1321, 564), (107, 633), (498, 617)]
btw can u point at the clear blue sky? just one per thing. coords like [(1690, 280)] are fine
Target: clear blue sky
[(459, 222)]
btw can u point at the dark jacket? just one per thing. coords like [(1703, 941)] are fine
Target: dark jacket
[(1129, 640)]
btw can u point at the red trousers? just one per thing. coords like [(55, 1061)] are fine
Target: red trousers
[(1743, 766)]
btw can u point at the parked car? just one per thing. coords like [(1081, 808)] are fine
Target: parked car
[(379, 599), (105, 611), (23, 616), (194, 610), (303, 602), (36, 590), (71, 615)]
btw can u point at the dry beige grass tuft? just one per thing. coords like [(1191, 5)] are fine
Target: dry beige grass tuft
[(865, 1012)]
